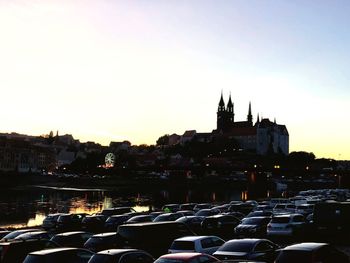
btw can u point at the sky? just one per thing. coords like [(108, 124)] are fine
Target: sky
[(134, 70)]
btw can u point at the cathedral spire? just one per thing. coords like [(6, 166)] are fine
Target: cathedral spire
[(250, 116), (230, 110), (221, 104), (229, 104), (258, 118)]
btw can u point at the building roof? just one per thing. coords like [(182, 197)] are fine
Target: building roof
[(189, 133)]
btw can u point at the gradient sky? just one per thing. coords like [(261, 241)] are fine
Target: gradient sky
[(135, 70)]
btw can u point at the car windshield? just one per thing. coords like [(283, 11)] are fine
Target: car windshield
[(292, 256), (113, 219), (101, 258), (34, 259), (237, 246), (280, 220), (252, 221), (182, 245)]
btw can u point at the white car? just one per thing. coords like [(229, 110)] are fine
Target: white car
[(284, 208), (201, 244), (286, 225)]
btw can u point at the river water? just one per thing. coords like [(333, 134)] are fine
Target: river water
[(26, 208)]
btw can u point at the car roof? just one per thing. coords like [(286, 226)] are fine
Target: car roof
[(52, 250), (192, 238), (307, 246), (183, 255), (72, 233), (246, 240), (107, 234), (117, 251), (287, 215)]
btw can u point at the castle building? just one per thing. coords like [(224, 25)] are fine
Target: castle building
[(262, 137)]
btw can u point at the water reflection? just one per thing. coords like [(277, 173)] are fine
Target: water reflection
[(29, 208)]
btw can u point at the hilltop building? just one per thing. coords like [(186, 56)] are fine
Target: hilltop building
[(263, 136)]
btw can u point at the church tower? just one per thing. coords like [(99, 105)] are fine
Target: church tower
[(250, 116), (230, 112), (221, 114)]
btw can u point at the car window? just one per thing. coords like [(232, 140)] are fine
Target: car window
[(207, 242), (136, 258), (280, 220), (81, 256), (182, 245), (298, 219), (85, 236), (217, 241), (263, 246)]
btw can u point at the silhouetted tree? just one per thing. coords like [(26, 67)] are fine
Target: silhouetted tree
[(163, 140)]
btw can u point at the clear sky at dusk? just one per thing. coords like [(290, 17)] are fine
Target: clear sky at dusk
[(135, 70)]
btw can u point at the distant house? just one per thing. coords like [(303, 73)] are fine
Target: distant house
[(187, 136), (119, 146), (204, 137), (65, 157), (20, 155)]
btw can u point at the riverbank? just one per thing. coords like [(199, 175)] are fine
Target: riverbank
[(110, 183)]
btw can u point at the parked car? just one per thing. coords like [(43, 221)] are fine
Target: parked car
[(154, 237), (34, 235), (283, 208), (15, 233), (220, 225), (193, 222), (71, 239), (185, 212), (114, 221), (122, 256), (4, 233), (187, 206), (167, 217), (311, 253), (201, 206), (244, 208), (69, 222), (191, 257), (59, 255), (207, 212), (201, 244), (103, 241), (140, 219), (15, 251), (94, 223), (286, 225), (50, 221), (248, 249), (260, 213), (239, 215), (304, 209), (253, 227), (107, 212), (332, 219)]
